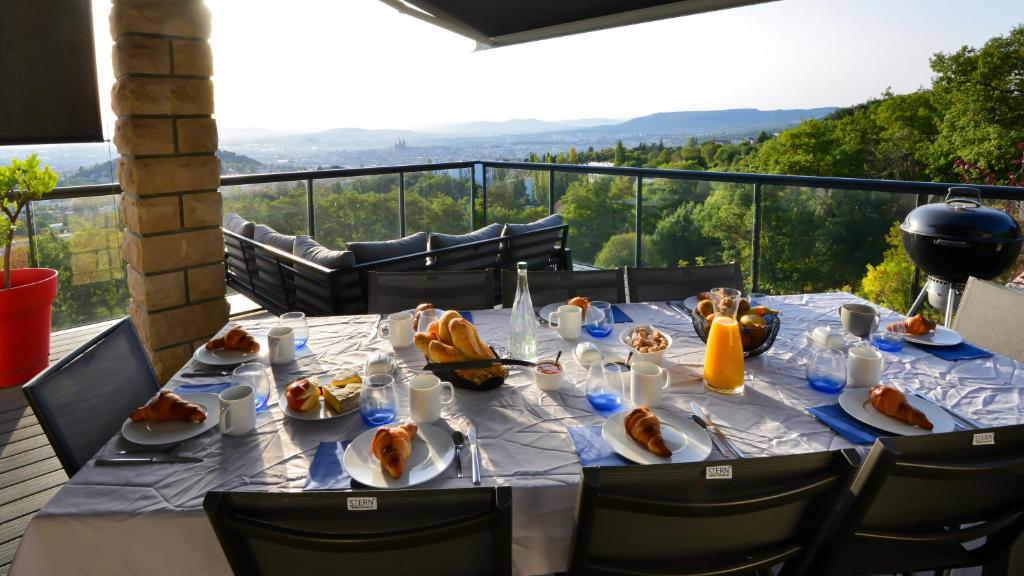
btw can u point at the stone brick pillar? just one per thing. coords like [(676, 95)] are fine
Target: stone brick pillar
[(167, 139)]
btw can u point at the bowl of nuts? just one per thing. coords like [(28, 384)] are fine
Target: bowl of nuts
[(647, 342)]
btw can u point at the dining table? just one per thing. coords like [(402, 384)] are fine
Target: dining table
[(149, 519)]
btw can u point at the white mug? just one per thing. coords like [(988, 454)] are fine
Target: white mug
[(398, 329), (646, 381), (425, 397), (568, 320), (238, 410), (281, 342), (863, 366)]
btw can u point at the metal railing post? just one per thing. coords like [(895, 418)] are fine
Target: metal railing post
[(915, 284), (472, 197), (755, 241), (31, 236), (483, 202), (310, 210), (401, 204), (551, 192), (638, 249)]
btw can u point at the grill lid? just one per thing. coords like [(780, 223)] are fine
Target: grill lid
[(963, 217)]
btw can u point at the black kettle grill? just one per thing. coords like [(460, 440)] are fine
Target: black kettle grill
[(955, 239)]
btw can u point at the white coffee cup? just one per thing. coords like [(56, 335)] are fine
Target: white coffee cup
[(398, 329), (863, 366), (568, 320), (646, 382), (281, 344), (238, 410), (425, 397)]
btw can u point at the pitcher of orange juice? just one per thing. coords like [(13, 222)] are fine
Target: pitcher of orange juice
[(723, 359)]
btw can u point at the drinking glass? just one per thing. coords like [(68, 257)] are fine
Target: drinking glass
[(723, 357), (378, 401), (297, 322), (599, 321), (888, 340), (604, 386), (826, 372), (424, 318), (255, 374)]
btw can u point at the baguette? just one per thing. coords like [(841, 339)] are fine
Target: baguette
[(442, 353), (443, 332), (467, 340), (422, 341)]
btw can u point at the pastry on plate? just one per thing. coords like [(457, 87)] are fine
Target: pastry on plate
[(168, 407), (392, 446), (893, 403), (302, 395), (237, 340), (643, 426)]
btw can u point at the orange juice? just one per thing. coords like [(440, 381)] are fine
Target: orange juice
[(723, 359)]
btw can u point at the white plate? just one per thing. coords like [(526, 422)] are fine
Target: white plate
[(687, 441), (432, 453), (321, 413), (158, 433), (230, 357), (856, 403), (691, 303), (941, 336), (547, 309)]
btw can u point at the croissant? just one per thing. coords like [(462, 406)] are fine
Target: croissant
[(392, 446), (166, 407), (582, 301), (893, 403), (235, 339), (644, 427), (918, 325)]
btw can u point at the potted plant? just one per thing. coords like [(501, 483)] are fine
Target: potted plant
[(26, 294)]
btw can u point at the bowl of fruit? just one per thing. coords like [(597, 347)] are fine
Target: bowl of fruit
[(759, 325)]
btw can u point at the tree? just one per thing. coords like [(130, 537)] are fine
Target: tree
[(889, 282), (20, 183), (620, 153)]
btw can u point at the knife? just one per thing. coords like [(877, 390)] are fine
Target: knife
[(963, 420), (205, 374), (153, 460), (469, 364), (715, 430), (714, 439), (679, 310), (474, 453)]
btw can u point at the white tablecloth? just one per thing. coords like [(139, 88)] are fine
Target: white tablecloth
[(149, 519)]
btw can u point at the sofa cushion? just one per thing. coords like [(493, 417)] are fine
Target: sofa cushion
[(235, 223), (438, 240), (270, 237), (376, 251), (311, 250), (547, 222)]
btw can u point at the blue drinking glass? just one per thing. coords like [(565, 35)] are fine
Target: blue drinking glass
[(599, 321), (604, 386), (826, 372), (255, 374), (297, 322), (888, 340), (378, 401)]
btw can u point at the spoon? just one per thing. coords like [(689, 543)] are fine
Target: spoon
[(457, 438)]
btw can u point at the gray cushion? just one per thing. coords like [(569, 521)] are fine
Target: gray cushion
[(375, 251), (235, 223), (311, 250), (438, 240), (553, 220), (270, 237)]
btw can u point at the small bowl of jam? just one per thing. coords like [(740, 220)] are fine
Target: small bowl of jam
[(548, 374)]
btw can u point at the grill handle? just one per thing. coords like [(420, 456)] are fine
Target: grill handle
[(952, 243), (963, 194)]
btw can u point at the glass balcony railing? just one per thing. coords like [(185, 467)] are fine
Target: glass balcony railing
[(789, 233)]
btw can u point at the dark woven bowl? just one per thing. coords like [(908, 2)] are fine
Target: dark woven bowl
[(460, 382), (754, 345)]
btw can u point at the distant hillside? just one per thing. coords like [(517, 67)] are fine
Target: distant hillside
[(106, 172), (518, 126), (735, 121)]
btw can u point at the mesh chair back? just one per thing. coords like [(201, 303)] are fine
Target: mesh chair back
[(547, 287), (918, 500), (82, 401), (663, 284), (415, 532), (395, 291), (686, 519), (991, 316)]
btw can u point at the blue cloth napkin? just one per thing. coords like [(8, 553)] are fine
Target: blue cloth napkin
[(962, 351), (620, 317), (466, 314), (212, 388), (592, 449), (327, 471), (833, 416)]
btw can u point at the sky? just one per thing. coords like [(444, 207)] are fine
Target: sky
[(307, 65)]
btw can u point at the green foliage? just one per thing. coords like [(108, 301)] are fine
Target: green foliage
[(20, 183), (889, 282)]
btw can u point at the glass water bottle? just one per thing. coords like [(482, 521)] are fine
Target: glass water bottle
[(522, 328)]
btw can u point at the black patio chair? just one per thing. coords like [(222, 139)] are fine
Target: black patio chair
[(395, 291), (404, 532), (707, 518), (924, 502), (82, 401), (547, 287), (664, 284)]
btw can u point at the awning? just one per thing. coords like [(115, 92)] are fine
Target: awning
[(494, 23)]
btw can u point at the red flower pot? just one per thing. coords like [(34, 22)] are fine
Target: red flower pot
[(25, 310)]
